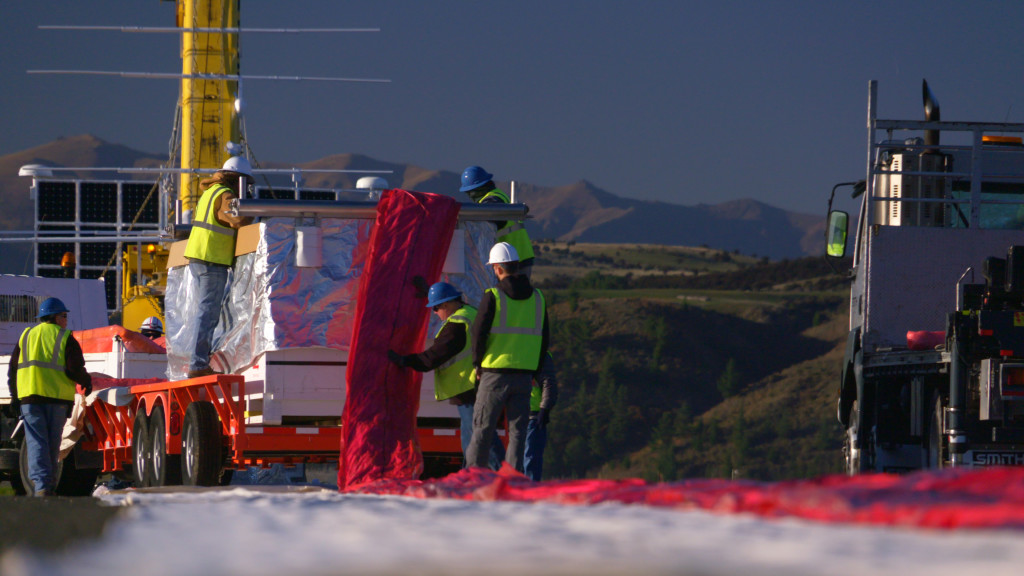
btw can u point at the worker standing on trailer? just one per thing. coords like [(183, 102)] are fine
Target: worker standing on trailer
[(46, 363), (211, 252), (542, 399), (509, 336), (449, 358), (479, 185)]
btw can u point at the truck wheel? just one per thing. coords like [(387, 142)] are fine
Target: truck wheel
[(201, 458), (75, 481), (165, 469), (937, 450), (852, 443), (141, 449), (10, 462)]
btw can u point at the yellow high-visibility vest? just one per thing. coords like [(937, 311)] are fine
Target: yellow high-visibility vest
[(210, 240), (42, 362), (513, 231), (456, 375), (517, 332)]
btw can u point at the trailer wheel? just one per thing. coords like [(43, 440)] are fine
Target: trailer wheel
[(141, 450), (201, 458), (937, 442), (165, 469)]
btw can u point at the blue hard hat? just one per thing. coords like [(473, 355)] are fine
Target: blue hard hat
[(440, 293), (51, 306), (474, 177)]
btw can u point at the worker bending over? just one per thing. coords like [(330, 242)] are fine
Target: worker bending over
[(46, 363), (509, 337), (449, 358)]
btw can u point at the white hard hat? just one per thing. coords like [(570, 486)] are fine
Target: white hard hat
[(371, 183), (152, 324), (502, 253), (238, 164)]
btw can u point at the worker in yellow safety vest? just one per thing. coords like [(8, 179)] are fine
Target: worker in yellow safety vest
[(449, 358), (479, 185), (510, 336), (211, 252), (46, 363)]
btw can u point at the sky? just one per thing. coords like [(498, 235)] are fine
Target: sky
[(260, 531), (677, 101)]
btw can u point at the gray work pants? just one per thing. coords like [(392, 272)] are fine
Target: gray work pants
[(498, 391)]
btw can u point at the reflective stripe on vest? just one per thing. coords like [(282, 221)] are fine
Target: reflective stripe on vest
[(513, 231), (41, 363), (517, 332), (456, 375), (209, 240)]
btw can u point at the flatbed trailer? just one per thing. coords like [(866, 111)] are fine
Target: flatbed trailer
[(192, 431)]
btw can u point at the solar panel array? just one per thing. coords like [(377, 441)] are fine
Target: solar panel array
[(83, 208)]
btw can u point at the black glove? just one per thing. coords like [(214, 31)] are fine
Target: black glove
[(543, 417), (13, 410), (86, 390), (420, 283), (397, 358)]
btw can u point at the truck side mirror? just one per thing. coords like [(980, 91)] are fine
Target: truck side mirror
[(835, 234)]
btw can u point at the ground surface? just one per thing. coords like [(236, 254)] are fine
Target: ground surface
[(51, 523)]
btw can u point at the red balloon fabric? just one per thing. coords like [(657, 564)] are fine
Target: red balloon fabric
[(943, 499), (410, 238)]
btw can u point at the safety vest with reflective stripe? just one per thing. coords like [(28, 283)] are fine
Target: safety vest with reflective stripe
[(41, 363), (517, 332), (456, 375), (513, 231), (209, 240)]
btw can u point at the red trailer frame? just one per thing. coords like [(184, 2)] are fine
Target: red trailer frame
[(110, 430)]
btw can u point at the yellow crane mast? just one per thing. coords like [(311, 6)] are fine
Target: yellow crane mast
[(208, 115), (208, 122)]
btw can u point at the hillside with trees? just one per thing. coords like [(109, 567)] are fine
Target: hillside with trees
[(692, 363)]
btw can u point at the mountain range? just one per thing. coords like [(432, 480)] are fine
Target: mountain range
[(579, 212)]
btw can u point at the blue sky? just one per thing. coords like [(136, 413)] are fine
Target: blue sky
[(683, 102)]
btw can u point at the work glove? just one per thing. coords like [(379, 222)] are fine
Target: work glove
[(13, 410), (543, 417), (420, 283), (396, 358)]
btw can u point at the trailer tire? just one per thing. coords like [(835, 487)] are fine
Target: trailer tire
[(165, 469), (141, 450), (937, 450), (201, 457)]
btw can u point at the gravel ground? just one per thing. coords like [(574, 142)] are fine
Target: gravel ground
[(51, 523)]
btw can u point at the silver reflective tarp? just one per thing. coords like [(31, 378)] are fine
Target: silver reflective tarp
[(273, 304)]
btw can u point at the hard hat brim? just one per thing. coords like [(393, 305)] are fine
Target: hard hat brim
[(433, 303)]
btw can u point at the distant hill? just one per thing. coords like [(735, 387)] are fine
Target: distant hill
[(579, 212)]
